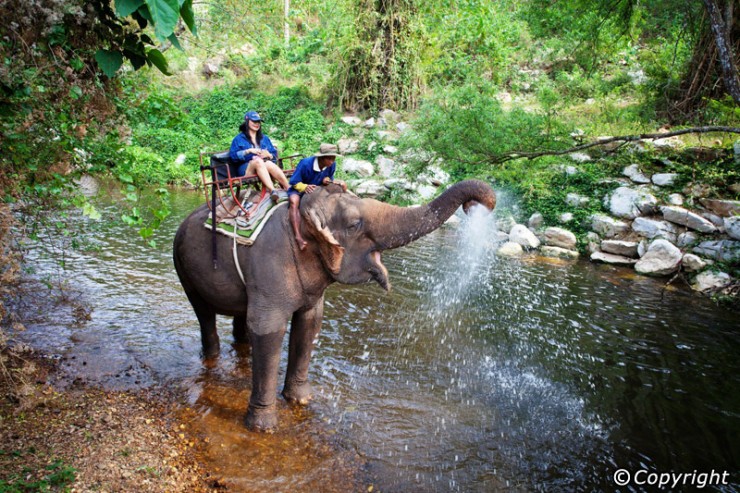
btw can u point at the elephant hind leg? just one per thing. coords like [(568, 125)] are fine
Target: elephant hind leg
[(239, 325), (207, 320)]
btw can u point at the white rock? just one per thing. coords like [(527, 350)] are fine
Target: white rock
[(722, 250), (347, 145), (358, 166), (557, 252), (669, 142), (675, 199), (427, 192), (510, 249), (664, 179), (535, 221), (686, 238), (619, 247), (88, 185), (505, 223), (633, 173), (180, 159), (369, 123), (399, 183), (369, 188), (386, 135), (402, 127), (436, 176), (520, 234), (661, 259), (692, 263), (679, 215), (565, 217), (630, 203), (389, 149), (570, 170), (652, 228), (385, 166), (642, 248), (579, 157), (575, 200), (389, 115), (732, 227), (501, 237), (371, 146), (607, 226), (610, 258), (593, 242), (711, 281), (351, 120), (559, 237), (714, 219)]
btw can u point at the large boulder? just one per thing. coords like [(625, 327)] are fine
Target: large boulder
[(559, 237), (661, 259), (723, 208), (679, 215), (653, 228), (607, 226), (358, 167), (630, 203), (664, 179), (347, 145), (721, 250), (618, 247), (732, 227), (711, 281), (385, 166), (520, 234), (633, 173), (510, 249), (610, 258)]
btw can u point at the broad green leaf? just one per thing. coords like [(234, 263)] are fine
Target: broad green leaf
[(146, 232), (186, 11), (159, 61), (124, 8), (175, 42), (165, 14), (109, 61)]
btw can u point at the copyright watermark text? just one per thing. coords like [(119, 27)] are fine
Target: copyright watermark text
[(672, 480)]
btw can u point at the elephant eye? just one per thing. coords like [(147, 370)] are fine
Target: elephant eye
[(354, 226)]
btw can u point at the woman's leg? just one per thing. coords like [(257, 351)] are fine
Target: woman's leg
[(278, 174), (257, 167)]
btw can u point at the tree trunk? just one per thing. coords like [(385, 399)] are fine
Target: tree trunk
[(720, 30)]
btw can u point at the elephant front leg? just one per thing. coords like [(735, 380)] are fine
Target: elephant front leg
[(305, 328), (262, 412)]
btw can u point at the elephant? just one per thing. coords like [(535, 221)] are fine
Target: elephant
[(346, 238)]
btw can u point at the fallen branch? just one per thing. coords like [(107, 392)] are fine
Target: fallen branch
[(624, 139)]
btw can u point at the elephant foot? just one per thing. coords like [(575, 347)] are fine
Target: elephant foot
[(298, 394), (261, 419), (211, 351)]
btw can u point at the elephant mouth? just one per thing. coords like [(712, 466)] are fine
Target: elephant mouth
[(378, 271)]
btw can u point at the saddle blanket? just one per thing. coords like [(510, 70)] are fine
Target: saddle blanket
[(246, 230)]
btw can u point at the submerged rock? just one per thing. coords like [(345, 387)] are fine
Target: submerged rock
[(661, 259), (610, 258), (557, 252)]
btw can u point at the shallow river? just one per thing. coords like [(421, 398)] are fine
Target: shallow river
[(473, 374)]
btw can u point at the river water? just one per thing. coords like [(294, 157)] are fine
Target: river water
[(473, 374)]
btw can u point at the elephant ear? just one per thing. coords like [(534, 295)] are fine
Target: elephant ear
[(331, 251)]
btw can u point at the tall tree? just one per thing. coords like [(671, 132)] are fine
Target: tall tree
[(722, 31)]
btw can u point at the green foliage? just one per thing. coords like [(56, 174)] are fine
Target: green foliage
[(58, 476)]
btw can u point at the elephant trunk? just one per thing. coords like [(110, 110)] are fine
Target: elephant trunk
[(398, 226)]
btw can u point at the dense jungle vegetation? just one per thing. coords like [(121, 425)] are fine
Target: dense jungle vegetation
[(136, 88)]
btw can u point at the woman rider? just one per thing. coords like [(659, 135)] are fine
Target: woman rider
[(254, 154)]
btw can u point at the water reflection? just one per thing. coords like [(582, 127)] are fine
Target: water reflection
[(473, 374)]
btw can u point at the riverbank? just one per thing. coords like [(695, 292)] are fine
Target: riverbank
[(64, 434)]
